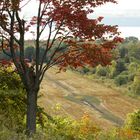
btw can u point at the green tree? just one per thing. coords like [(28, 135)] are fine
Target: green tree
[(112, 69), (123, 52), (131, 39), (120, 66)]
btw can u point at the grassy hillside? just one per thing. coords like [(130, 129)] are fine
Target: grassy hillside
[(77, 95)]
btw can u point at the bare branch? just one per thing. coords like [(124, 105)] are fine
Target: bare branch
[(49, 46), (48, 41), (50, 63), (25, 4), (10, 33)]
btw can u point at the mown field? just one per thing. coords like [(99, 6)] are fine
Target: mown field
[(74, 95)]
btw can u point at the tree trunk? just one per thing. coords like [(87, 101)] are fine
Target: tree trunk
[(31, 111)]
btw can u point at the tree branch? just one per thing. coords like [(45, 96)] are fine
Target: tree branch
[(2, 46)]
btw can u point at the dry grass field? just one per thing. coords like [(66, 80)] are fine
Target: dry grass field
[(77, 95)]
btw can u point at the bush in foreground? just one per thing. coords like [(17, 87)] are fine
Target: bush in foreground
[(133, 121), (12, 120)]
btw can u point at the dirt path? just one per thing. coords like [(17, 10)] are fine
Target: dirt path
[(77, 95)]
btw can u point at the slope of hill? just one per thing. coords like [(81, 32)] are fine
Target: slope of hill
[(78, 95)]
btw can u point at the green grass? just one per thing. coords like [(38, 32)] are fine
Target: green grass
[(92, 99), (80, 99)]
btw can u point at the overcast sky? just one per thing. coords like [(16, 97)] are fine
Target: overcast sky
[(125, 14), (124, 8)]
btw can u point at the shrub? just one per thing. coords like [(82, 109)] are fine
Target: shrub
[(12, 109), (133, 121), (9, 79), (133, 67), (135, 87), (121, 80), (13, 101), (129, 75), (101, 71), (66, 128), (119, 134), (85, 70), (92, 70)]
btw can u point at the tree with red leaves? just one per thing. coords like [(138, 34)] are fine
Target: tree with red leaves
[(64, 22)]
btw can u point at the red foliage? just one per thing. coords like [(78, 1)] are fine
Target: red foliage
[(70, 16), (88, 53), (5, 63)]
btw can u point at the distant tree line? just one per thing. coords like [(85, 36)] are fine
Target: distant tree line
[(125, 70), (29, 52)]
